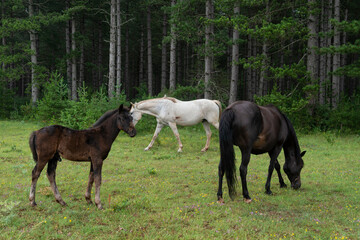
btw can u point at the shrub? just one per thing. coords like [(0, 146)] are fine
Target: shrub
[(54, 101)]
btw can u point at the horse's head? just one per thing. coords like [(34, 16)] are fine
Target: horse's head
[(135, 113), (125, 121), (292, 168)]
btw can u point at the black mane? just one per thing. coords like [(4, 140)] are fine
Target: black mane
[(104, 117)]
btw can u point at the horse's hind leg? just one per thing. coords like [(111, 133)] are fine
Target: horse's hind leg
[(51, 173), (281, 180), (245, 159), (208, 135), (221, 177), (90, 184), (35, 176)]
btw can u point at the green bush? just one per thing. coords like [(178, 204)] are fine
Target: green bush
[(293, 106), (54, 101)]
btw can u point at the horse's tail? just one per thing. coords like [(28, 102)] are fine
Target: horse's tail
[(33, 145), (218, 103), (227, 161)]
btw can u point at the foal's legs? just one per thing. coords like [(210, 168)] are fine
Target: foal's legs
[(97, 164), (159, 126), (51, 173), (177, 135), (208, 135), (273, 160), (40, 164), (90, 184)]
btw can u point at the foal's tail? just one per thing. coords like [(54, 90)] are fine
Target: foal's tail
[(33, 145), (227, 160)]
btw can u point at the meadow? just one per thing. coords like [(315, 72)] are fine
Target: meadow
[(162, 194)]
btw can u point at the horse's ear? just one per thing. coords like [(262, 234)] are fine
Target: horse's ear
[(121, 107), (302, 154)]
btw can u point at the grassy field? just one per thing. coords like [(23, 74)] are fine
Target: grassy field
[(162, 194)]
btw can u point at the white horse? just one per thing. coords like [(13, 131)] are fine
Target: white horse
[(170, 111)]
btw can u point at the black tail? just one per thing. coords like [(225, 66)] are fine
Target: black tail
[(227, 162), (33, 146)]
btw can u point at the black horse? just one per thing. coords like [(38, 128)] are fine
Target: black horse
[(256, 130), (91, 145)]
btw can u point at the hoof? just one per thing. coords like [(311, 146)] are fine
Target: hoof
[(61, 202), (221, 201), (204, 149), (283, 185), (269, 192), (146, 149), (179, 150), (33, 204), (247, 200), (99, 206)]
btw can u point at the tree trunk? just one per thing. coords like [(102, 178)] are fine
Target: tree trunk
[(33, 45), (126, 70), (150, 70), (249, 71), (328, 44), (112, 49), (312, 44), (322, 66), (141, 61), (3, 39), (73, 64), (265, 56), (336, 58), (118, 48), (100, 57), (208, 51), (82, 55), (172, 77), (164, 55), (234, 60), (68, 51)]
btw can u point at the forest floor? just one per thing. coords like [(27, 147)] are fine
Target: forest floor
[(162, 194)]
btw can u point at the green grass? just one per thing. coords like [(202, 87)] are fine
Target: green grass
[(161, 194)]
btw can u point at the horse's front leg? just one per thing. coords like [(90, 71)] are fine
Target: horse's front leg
[(97, 164), (90, 184), (177, 135), (281, 180), (208, 135), (159, 126), (245, 159), (273, 159)]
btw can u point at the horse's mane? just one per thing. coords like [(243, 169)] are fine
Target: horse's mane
[(292, 136), (104, 117)]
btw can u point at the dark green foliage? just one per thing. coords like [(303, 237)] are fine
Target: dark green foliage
[(6, 100), (54, 101)]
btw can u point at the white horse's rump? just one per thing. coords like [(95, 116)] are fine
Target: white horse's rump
[(170, 111)]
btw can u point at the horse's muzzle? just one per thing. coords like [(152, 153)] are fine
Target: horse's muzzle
[(132, 133), (296, 184)]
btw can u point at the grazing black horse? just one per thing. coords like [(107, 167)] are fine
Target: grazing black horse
[(91, 145), (256, 130)]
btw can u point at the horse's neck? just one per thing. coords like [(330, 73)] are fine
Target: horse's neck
[(291, 146), (151, 107), (110, 128)]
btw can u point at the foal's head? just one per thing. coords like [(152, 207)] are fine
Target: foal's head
[(292, 168), (136, 115), (124, 121)]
